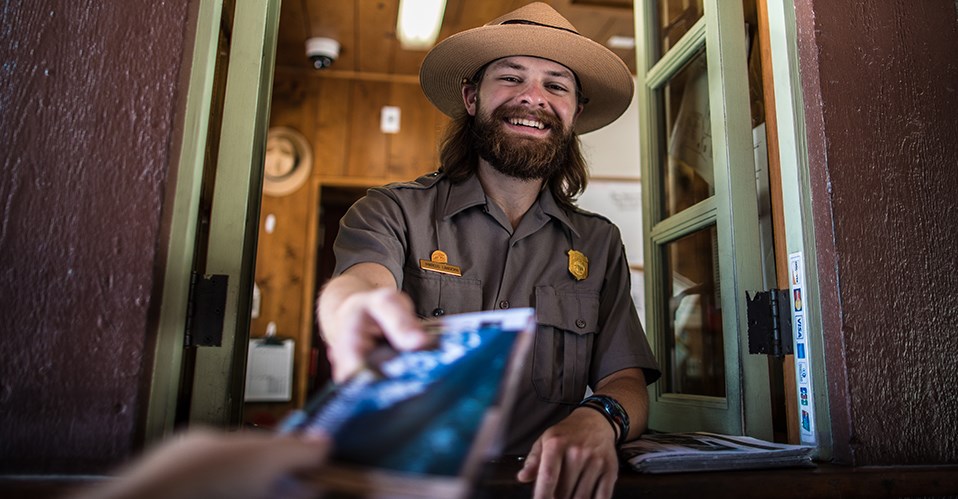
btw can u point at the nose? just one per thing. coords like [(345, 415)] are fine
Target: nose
[(533, 94)]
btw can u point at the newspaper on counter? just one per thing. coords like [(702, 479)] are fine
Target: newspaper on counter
[(702, 451)]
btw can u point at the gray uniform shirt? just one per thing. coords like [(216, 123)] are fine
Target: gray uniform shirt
[(587, 329)]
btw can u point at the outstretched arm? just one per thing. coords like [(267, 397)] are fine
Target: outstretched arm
[(203, 464)]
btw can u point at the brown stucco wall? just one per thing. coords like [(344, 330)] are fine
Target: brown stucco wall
[(88, 113), (880, 83)]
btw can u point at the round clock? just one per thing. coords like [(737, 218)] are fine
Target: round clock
[(289, 159)]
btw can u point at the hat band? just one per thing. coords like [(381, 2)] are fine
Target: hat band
[(533, 23)]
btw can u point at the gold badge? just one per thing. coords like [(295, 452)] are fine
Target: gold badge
[(438, 262), (578, 265)]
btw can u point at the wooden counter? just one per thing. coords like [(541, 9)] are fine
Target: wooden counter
[(822, 481), (498, 482)]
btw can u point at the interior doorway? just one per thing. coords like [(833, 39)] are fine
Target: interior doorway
[(288, 297), (334, 201)]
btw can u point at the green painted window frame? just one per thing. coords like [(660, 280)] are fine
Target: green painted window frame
[(797, 202), (746, 408)]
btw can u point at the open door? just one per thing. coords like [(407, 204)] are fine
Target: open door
[(216, 211)]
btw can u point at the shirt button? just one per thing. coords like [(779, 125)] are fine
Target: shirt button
[(504, 304), (580, 323), (438, 312)]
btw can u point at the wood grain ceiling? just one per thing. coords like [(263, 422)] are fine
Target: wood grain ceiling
[(366, 29)]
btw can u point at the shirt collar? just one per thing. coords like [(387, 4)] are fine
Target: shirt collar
[(550, 207), (469, 193), (465, 194)]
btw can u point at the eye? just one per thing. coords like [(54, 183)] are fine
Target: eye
[(510, 79)]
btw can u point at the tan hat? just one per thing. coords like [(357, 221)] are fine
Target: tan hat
[(535, 30)]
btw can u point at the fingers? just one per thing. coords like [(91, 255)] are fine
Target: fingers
[(575, 472), (573, 459), (531, 466), (591, 472), (606, 485), (357, 335), (550, 472), (294, 453), (364, 320), (393, 311)]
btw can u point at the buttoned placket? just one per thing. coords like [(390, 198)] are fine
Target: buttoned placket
[(532, 222)]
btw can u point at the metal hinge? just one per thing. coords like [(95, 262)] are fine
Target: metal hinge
[(769, 323), (206, 310)]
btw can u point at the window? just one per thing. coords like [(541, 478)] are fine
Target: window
[(703, 243)]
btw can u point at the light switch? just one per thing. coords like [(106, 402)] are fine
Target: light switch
[(389, 119)]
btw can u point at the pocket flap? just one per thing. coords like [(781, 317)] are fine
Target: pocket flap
[(573, 311), (431, 292)]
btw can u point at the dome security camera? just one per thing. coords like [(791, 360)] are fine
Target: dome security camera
[(322, 52)]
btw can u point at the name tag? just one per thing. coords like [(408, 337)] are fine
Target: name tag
[(439, 263), (442, 268)]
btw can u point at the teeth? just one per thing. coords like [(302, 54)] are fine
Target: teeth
[(529, 123)]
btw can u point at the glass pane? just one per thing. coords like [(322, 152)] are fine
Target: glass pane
[(756, 87), (675, 18), (696, 363), (683, 115)]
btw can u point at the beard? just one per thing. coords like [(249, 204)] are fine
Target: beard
[(523, 158)]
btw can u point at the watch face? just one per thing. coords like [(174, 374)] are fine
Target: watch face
[(287, 163)]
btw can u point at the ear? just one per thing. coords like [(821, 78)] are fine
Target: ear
[(578, 110), (470, 96)]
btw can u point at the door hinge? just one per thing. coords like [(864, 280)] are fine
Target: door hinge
[(769, 323), (206, 310)]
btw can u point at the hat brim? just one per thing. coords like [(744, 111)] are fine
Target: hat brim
[(606, 81)]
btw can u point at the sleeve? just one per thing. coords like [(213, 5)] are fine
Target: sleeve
[(374, 229), (621, 342)]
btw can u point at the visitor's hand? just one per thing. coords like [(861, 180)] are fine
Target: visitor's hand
[(203, 464), (575, 458)]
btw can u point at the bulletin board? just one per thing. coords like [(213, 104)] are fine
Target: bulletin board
[(621, 202)]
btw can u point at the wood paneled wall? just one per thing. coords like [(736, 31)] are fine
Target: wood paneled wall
[(340, 118)]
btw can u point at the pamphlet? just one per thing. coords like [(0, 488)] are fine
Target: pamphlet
[(701, 451), (421, 423)]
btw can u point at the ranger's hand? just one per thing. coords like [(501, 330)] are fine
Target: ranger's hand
[(575, 458)]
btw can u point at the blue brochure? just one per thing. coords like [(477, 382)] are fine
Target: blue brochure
[(431, 412)]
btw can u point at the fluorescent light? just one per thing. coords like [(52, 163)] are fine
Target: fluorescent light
[(419, 22), (621, 42)]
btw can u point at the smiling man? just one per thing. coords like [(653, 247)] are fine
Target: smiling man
[(496, 227)]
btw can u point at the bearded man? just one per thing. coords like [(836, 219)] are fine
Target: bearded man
[(501, 211)]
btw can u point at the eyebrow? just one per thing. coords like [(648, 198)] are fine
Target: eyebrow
[(565, 73)]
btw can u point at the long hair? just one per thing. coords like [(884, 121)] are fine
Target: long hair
[(459, 159)]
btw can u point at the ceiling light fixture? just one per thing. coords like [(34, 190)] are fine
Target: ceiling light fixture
[(419, 22), (621, 42)]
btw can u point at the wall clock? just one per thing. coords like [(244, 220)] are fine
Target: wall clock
[(289, 159)]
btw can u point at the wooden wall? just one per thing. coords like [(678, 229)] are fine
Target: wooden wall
[(340, 117)]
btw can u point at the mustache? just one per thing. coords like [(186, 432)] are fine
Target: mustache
[(548, 119)]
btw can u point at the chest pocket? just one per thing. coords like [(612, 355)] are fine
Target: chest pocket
[(431, 292), (567, 325)]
